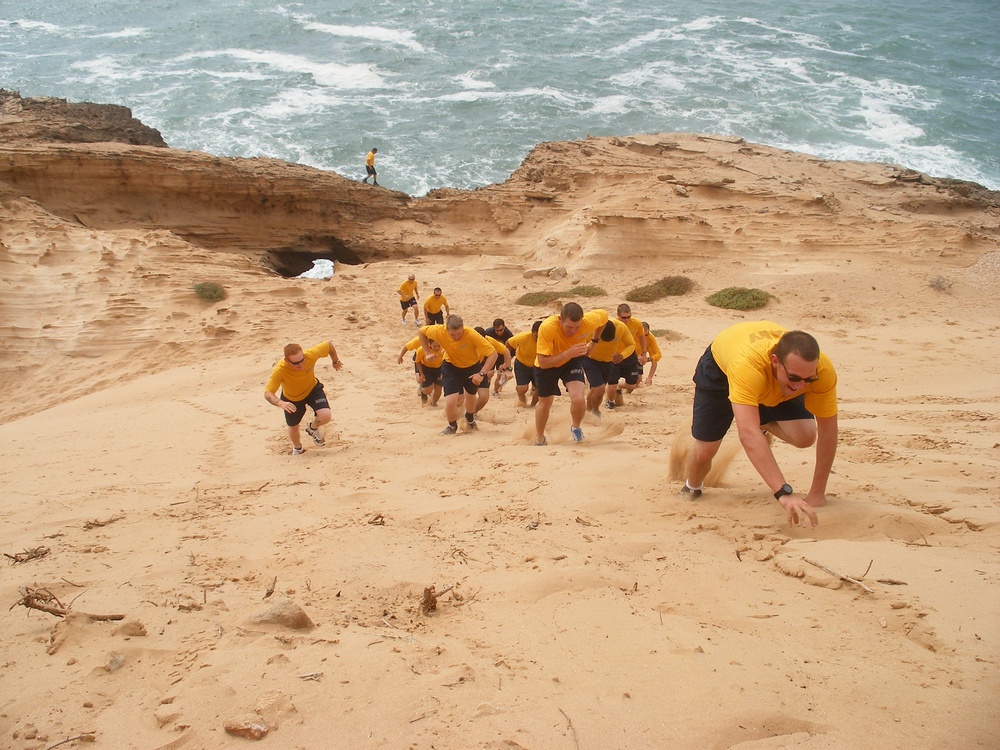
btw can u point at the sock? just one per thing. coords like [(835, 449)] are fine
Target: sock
[(454, 424), (688, 485), (470, 418)]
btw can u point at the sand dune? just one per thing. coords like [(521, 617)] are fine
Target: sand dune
[(585, 603)]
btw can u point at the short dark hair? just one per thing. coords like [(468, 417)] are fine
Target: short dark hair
[(498, 322), (623, 307), (797, 342), (480, 330), (608, 334), (571, 311), (437, 289), (535, 326)]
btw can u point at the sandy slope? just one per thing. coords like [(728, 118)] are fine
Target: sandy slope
[(591, 607)]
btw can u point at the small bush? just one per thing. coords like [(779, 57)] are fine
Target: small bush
[(667, 335), (587, 291), (739, 298), (537, 299), (941, 284), (668, 286), (210, 291)]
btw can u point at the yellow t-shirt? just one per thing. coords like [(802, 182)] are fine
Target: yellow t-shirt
[(424, 357), (434, 304), (407, 290), (469, 350), (370, 159), (743, 352), (637, 331), (552, 340), (523, 345), (296, 384), (653, 348), (622, 343)]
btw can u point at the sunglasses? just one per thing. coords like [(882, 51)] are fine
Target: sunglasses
[(296, 364), (798, 378)]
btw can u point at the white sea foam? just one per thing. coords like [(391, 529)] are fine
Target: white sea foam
[(322, 269), (469, 81), (335, 75), (125, 33), (371, 33)]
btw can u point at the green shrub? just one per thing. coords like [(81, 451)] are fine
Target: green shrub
[(739, 298), (587, 291), (941, 284), (210, 291), (666, 334), (536, 299), (668, 286)]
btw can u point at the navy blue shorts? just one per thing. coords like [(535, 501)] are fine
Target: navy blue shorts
[(316, 399), (547, 378), (432, 376), (713, 411), (629, 369), (407, 304), (523, 374), (459, 379), (597, 372)]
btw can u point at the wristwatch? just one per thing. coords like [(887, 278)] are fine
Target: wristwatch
[(594, 341), (786, 489)]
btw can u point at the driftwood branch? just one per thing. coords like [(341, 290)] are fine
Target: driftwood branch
[(29, 554), (841, 576), (97, 523), (85, 737), (45, 601)]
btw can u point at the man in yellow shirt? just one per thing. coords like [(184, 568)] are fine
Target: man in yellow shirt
[(370, 167), (631, 367), (467, 358), (523, 346), (563, 341), (653, 353), (432, 308), (408, 296), (770, 380), (295, 376), (615, 346), (427, 368)]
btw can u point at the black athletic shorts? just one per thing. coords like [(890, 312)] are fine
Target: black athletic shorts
[(432, 376), (547, 378), (458, 379), (434, 318), (713, 411), (597, 372), (316, 399), (629, 369), (523, 374), (408, 303)]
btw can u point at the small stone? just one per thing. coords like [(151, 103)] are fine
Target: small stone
[(285, 612), (249, 726), (115, 662), (129, 628)]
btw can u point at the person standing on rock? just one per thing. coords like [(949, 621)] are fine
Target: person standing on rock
[(772, 382), (295, 376), (370, 167)]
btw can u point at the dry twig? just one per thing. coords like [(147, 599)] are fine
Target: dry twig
[(85, 737), (45, 601), (841, 576), (270, 589), (96, 524), (29, 554)]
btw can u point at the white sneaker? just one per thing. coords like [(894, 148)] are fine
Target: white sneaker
[(315, 435), (298, 451)]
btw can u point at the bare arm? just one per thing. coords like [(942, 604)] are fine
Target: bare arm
[(759, 452), (826, 451), (334, 359)]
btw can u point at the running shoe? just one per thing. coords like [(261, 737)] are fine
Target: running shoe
[(315, 435), (577, 434)]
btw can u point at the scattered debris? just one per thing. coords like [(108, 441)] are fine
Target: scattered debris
[(96, 524), (855, 581), (45, 601), (28, 554)]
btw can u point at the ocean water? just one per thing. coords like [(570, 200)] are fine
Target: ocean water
[(455, 93)]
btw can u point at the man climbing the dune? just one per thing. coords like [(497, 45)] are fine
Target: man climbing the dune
[(295, 376), (772, 382)]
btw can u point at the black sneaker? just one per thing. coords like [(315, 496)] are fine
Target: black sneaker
[(450, 430)]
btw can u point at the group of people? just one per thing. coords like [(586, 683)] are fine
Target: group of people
[(771, 381)]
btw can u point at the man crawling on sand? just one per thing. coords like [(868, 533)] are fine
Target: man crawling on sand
[(772, 381), (294, 375)]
